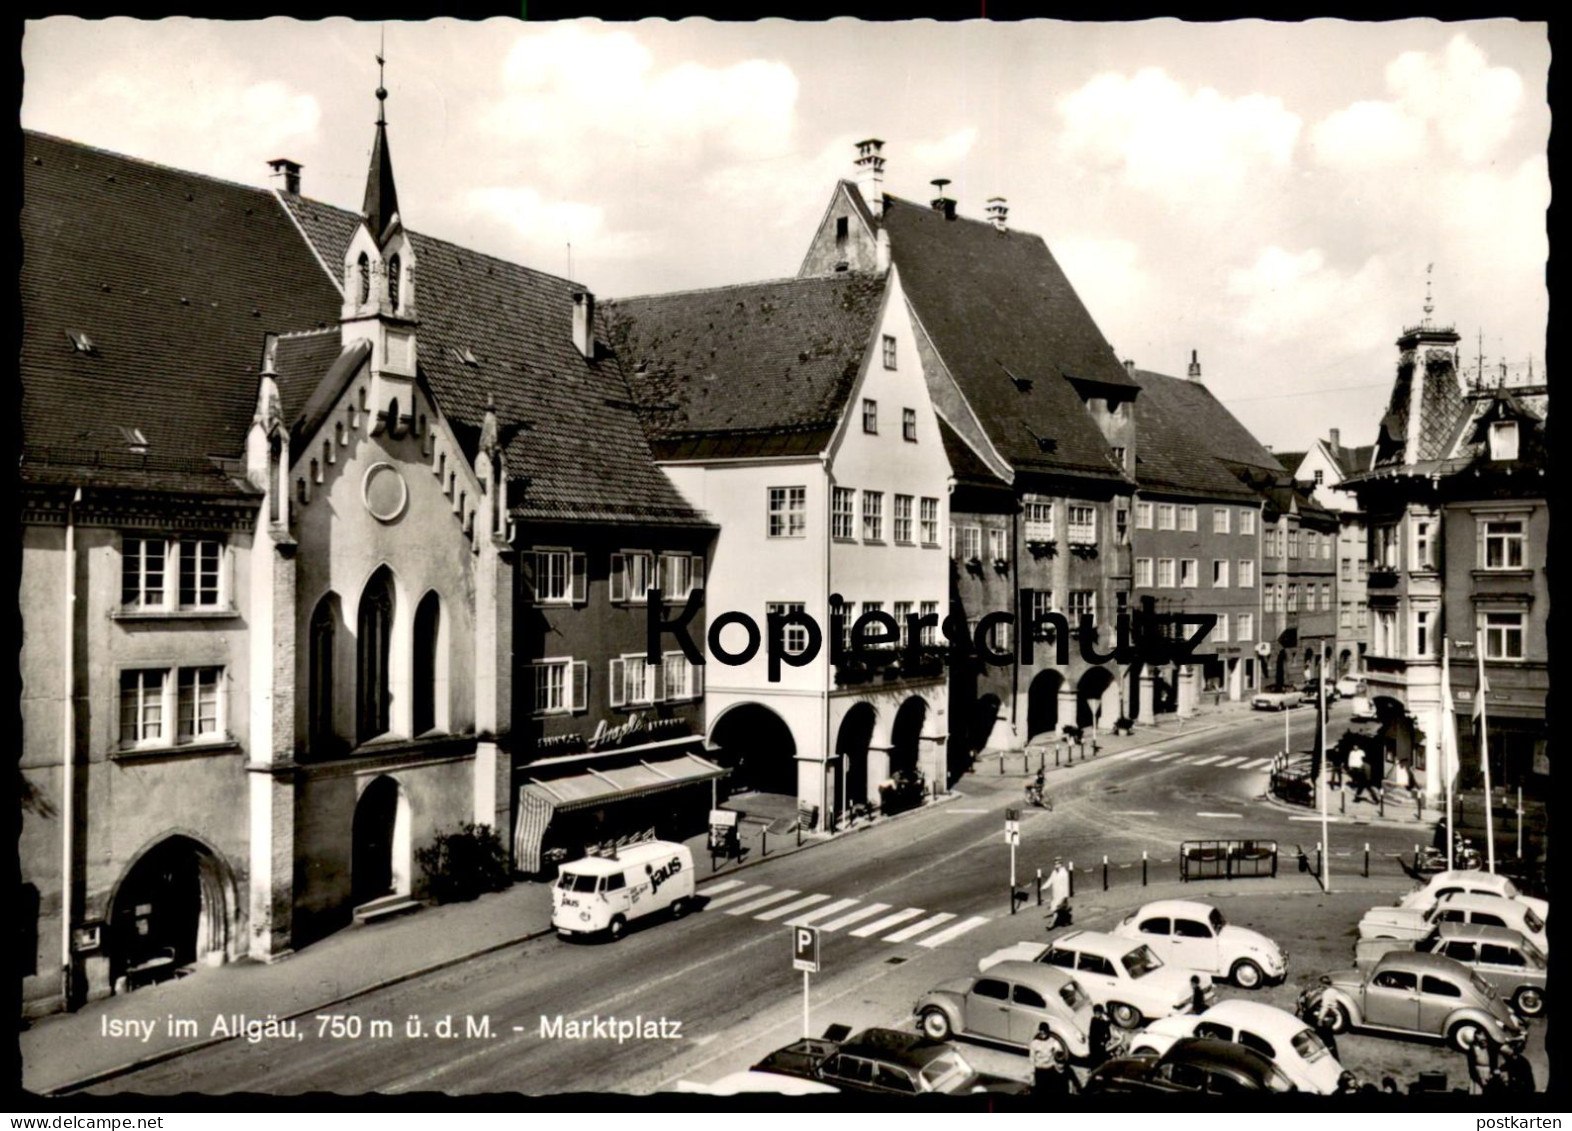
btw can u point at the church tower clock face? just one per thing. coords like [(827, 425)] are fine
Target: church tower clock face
[(385, 492)]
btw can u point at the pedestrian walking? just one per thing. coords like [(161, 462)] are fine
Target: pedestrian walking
[(1358, 772), (1045, 1061), (1099, 1035), (1197, 995), (1482, 1055), (1058, 886)]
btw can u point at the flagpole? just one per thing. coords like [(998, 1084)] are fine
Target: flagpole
[(1484, 755), (1448, 727), (1326, 843)]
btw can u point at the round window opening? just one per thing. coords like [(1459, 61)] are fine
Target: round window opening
[(385, 492)]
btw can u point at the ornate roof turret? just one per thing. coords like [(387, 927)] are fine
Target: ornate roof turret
[(381, 205)]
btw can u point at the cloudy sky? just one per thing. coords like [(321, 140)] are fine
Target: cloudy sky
[(1268, 194)]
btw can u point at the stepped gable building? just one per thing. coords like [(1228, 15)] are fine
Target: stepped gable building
[(1196, 546), (795, 414), (1456, 498), (1322, 471), (1020, 374)]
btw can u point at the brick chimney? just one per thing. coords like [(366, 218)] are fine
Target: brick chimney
[(997, 211), (1195, 366), (870, 175), (1337, 444), (942, 203), (286, 174), (1129, 366)]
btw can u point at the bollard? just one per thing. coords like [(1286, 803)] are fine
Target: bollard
[(1072, 877), (764, 842), (1342, 801), (1001, 763), (1039, 887), (1274, 861), (1318, 859), (1367, 859), (1381, 802), (1026, 756), (1055, 756), (1105, 873), (1143, 867), (1419, 806)]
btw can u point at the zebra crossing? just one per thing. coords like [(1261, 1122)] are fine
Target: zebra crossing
[(1196, 758), (883, 921)]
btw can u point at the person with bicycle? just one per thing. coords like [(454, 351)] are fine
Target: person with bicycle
[(1035, 794)]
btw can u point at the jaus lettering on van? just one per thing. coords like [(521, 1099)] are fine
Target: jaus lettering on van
[(665, 872)]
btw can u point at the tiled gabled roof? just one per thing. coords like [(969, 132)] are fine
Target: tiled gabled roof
[(1168, 456), (1191, 409), (1349, 461), (1011, 330), (174, 278), (753, 369), (574, 445), (965, 464)]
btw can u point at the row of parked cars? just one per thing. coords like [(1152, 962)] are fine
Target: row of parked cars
[(1279, 697), (1463, 954)]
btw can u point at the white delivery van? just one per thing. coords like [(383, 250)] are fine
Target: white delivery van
[(606, 893)]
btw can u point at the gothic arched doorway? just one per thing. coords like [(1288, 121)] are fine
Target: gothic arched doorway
[(380, 865), (172, 904)]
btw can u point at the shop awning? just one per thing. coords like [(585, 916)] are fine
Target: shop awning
[(571, 783)]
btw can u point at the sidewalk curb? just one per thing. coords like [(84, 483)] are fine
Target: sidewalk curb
[(151, 1059), (1345, 819)]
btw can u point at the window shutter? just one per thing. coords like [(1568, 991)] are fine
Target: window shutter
[(614, 674), (580, 686), (580, 580), (696, 572), (696, 680), (657, 682), (527, 568), (619, 579)]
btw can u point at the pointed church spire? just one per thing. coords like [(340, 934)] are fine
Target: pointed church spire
[(381, 194)]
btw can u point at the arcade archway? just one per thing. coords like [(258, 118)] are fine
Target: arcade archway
[(1091, 699), (851, 745), (1042, 703), (906, 736)]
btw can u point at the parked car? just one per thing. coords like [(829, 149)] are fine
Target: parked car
[(1193, 1066), (1463, 907), (1456, 882), (1362, 708), (1418, 995), (1512, 965), (1125, 975), (886, 1062), (1196, 935), (1310, 693), (1349, 686), (1007, 1004), (1275, 1033), (1276, 698)]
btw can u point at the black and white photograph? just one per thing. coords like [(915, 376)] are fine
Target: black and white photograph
[(823, 565)]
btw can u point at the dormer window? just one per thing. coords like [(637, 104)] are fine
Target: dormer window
[(80, 342), (1503, 439), (363, 265), (395, 274)]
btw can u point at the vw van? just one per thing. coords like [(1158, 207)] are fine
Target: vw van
[(605, 893)]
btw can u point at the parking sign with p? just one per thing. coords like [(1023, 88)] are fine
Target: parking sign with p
[(805, 949)]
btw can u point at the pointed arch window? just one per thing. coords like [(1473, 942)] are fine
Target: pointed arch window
[(428, 667), (323, 634), (363, 267), (373, 649), (395, 277)]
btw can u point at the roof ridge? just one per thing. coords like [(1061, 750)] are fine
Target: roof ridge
[(282, 334), (794, 279), (145, 161), (968, 219)]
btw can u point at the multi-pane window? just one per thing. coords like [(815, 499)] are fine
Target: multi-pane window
[(1361, 615), (889, 351), (1143, 516), (870, 416), (1083, 603), (1503, 636), (873, 516), (1347, 571), (1187, 518), (874, 607), (1121, 523), (148, 565), (999, 636), (848, 620), (1345, 615), (1326, 596), (1385, 642), (909, 425), (1364, 569), (1220, 572), (639, 571), (902, 610), (1504, 544), (930, 632), (198, 703), (1039, 522), (842, 517), (928, 516), (795, 636), (1143, 573), (1246, 573), (1083, 523), (1245, 628), (1424, 543), (998, 545), (788, 512), (971, 543), (1165, 573), (1268, 599), (1292, 605), (1220, 629), (1220, 520), (1293, 541), (680, 574), (1165, 516), (1383, 549), (903, 519), (1326, 548), (1246, 521), (680, 678), (553, 575), (1424, 637), (1503, 439), (142, 706), (636, 682), (1042, 603), (1189, 573)]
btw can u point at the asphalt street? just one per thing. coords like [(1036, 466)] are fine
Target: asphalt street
[(902, 906)]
